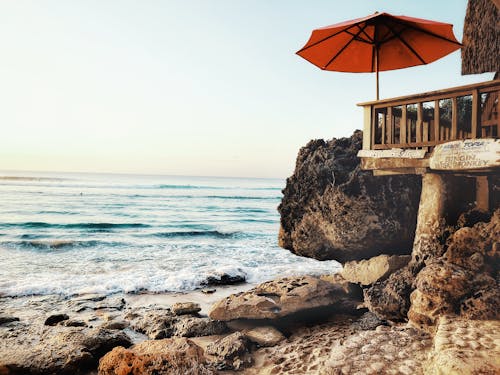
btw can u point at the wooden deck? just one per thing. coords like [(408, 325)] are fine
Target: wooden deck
[(426, 120)]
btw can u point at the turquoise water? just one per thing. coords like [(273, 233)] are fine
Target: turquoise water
[(84, 233)]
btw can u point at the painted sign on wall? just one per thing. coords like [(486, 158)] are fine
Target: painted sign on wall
[(467, 154)]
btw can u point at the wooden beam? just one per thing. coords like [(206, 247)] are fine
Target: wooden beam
[(454, 118), (393, 163), (384, 136), (493, 85)]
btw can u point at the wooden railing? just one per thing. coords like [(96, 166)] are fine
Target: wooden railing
[(425, 120)]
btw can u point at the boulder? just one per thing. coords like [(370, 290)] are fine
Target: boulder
[(182, 308), (369, 271), (264, 336), (57, 350), (167, 356), (230, 352), (331, 209), (390, 299), (282, 297)]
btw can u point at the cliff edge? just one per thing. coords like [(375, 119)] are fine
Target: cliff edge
[(331, 209)]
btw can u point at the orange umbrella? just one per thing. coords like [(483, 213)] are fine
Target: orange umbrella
[(379, 42)]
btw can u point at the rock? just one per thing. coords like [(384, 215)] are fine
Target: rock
[(367, 272), (196, 327), (5, 319), (208, 290), (367, 322), (283, 297), (167, 356), (464, 346), (182, 308), (385, 350), (331, 209), (73, 323), (116, 324), (224, 279), (52, 320), (160, 324), (230, 352), (484, 299), (57, 350), (264, 336), (390, 299)]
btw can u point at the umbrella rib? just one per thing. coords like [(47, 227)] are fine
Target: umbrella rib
[(326, 38), (358, 38), (343, 48), (397, 34), (428, 32)]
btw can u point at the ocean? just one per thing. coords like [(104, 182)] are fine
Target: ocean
[(70, 234)]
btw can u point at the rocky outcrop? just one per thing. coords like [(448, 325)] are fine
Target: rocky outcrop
[(167, 356), (283, 297), (331, 209), (457, 274), (369, 271)]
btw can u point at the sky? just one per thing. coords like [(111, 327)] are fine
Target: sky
[(187, 87)]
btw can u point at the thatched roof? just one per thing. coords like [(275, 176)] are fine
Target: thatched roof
[(481, 39)]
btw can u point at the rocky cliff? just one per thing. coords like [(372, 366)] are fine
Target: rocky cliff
[(331, 209)]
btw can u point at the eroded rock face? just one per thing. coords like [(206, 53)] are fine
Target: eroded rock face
[(464, 281), (331, 209), (369, 271), (282, 297), (167, 356), (454, 266), (464, 346)]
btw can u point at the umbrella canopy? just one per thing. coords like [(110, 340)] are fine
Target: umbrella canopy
[(379, 42)]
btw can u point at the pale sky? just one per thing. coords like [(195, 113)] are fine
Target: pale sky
[(187, 87)]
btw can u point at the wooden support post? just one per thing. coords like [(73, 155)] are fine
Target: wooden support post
[(436, 120), (368, 131), (403, 125), (454, 118), (475, 113), (482, 193)]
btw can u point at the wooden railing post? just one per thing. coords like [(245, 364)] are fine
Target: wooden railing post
[(436, 121), (475, 113), (390, 126), (403, 125), (454, 118)]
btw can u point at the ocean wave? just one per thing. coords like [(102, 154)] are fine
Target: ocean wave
[(96, 226), (187, 187), (50, 244), (198, 233)]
